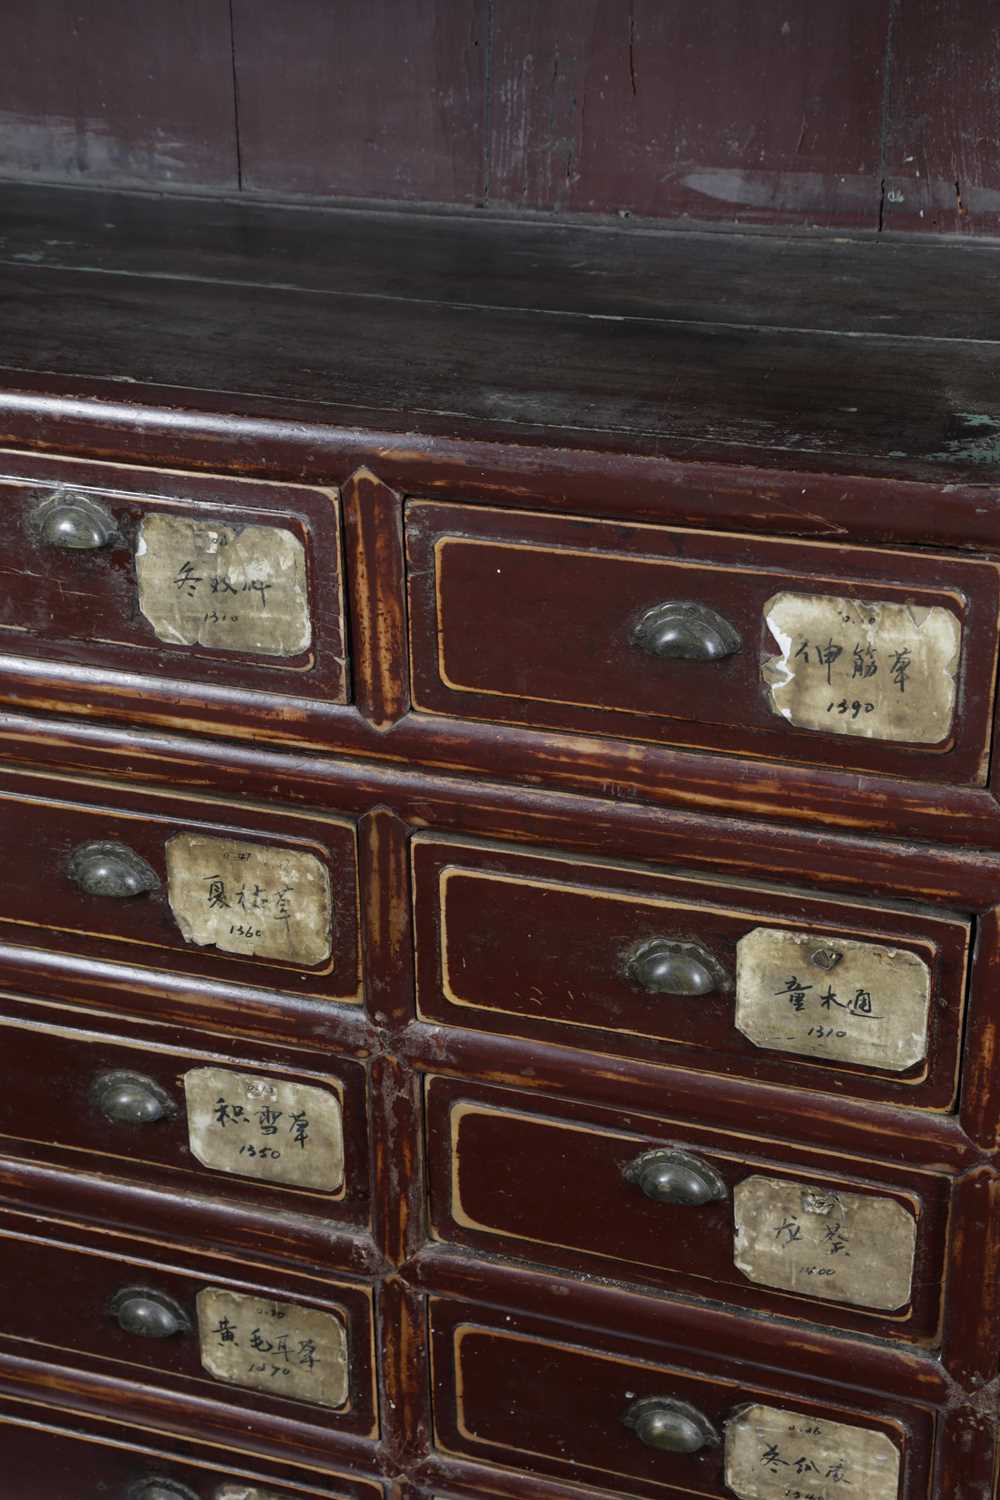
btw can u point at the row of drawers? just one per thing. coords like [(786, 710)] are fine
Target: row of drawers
[(876, 660), (513, 1389), (853, 998), (518, 1392), (660, 1201)]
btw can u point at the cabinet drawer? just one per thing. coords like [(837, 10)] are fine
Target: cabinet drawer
[(741, 1218), (46, 1459), (845, 656), (202, 592), (249, 1127), (231, 891), (301, 1347), (845, 996), (523, 1394)]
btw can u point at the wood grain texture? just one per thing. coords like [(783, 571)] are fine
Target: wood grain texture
[(720, 111), (370, 100), (127, 92), (942, 119), (373, 539)]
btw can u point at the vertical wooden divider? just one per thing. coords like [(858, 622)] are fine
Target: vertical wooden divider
[(376, 576)]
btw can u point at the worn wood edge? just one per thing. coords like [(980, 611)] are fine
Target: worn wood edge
[(373, 537), (290, 1240), (611, 824), (770, 1343), (881, 1132), (323, 443)]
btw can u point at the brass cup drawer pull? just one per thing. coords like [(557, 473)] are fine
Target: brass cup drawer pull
[(676, 1177), (670, 1426), (105, 868), (149, 1314), (664, 967), (131, 1099), (677, 631), (74, 523), (159, 1489)]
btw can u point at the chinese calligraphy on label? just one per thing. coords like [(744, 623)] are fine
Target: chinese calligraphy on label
[(230, 589), (833, 997), (863, 667), (255, 899), (267, 1128), (276, 1347), (820, 1242), (785, 1455)]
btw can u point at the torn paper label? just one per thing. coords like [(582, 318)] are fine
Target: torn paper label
[(223, 587), (271, 1129), (260, 900), (833, 997), (863, 667), (782, 1455), (286, 1350), (824, 1242)]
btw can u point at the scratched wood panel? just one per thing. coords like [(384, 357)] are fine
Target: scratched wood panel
[(369, 100), (118, 91), (943, 118), (757, 112)]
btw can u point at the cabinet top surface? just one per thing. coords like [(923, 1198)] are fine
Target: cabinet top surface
[(868, 355)]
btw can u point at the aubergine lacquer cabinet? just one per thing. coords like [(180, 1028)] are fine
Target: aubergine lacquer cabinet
[(500, 976)]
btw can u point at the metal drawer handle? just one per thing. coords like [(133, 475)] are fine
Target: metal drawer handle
[(675, 1177), (670, 1426), (665, 967), (151, 1315), (131, 1099), (74, 522), (110, 869), (159, 1489), (678, 631)]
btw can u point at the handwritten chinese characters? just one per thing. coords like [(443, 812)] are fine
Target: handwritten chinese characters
[(229, 589), (278, 1347), (785, 1455), (820, 1242), (863, 667), (257, 899), (268, 1128), (833, 997)]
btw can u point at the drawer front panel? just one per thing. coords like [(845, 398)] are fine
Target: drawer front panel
[(302, 1348), (247, 1127), (195, 581), (847, 997), (743, 1219), (521, 1394), (44, 1459), (233, 893), (878, 661)]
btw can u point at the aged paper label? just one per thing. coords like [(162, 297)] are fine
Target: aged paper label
[(833, 997), (228, 588), (784, 1455), (863, 667), (260, 900), (266, 1128), (843, 1247), (247, 1492), (278, 1347)]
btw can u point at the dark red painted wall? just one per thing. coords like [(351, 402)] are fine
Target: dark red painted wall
[(837, 112)]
